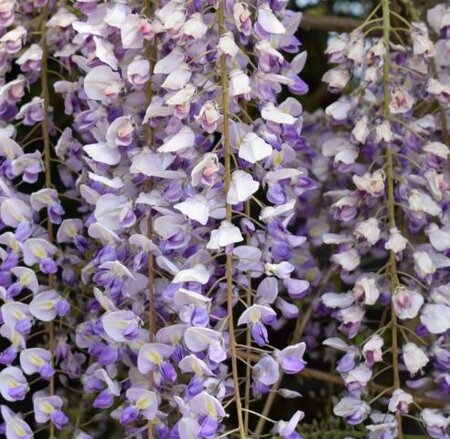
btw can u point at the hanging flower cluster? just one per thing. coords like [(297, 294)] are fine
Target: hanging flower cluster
[(184, 167), (177, 237), (389, 210)]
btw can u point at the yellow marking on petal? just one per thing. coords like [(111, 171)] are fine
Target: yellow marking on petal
[(211, 408), (25, 279), (18, 314), (315, 231), (19, 430), (46, 305), (175, 339), (197, 368), (39, 252), (15, 339), (143, 402), (278, 158), (310, 275), (36, 360), (15, 246), (122, 324), (155, 357), (254, 315), (17, 215), (46, 407)]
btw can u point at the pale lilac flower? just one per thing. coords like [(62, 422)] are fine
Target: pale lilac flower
[(47, 305), (145, 401), (353, 410), (435, 422), (48, 408), (287, 428), (13, 384), (266, 371), (37, 360), (121, 326), (291, 358), (372, 351), (399, 402)]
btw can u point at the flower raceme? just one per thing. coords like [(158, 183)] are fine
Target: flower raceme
[(167, 209)]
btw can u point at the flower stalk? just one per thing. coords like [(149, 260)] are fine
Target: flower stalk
[(229, 218), (394, 281), (150, 51), (48, 178)]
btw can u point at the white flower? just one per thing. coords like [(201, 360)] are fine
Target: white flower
[(227, 45), (439, 238), (361, 130), (421, 202), (373, 184), (242, 187), (338, 110), (438, 149), (406, 302), (383, 132), (372, 350), (268, 20), (239, 83), (341, 149), (400, 401), (102, 84), (225, 235), (436, 317), (348, 259), (195, 208), (253, 148), (273, 114), (198, 273), (414, 358), (422, 45), (366, 289), (396, 241), (423, 265), (338, 300), (401, 101), (194, 27), (336, 78), (369, 230), (183, 139), (439, 17)]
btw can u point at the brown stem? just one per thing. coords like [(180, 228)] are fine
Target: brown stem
[(151, 312), (329, 23), (228, 217), (48, 173), (336, 379), (393, 275), (248, 336)]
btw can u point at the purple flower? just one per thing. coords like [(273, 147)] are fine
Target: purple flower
[(291, 358)]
